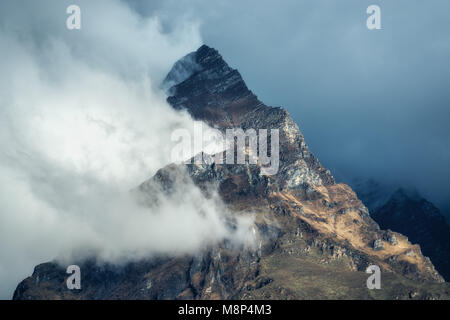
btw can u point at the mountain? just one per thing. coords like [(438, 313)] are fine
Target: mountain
[(315, 238), (410, 214), (371, 192)]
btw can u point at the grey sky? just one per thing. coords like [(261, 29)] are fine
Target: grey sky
[(370, 103), (82, 122)]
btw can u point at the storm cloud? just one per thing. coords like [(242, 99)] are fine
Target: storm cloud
[(371, 104)]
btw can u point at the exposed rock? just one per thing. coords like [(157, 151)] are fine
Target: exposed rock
[(378, 244), (315, 236), (390, 237)]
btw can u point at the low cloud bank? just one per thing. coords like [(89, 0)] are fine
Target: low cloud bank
[(83, 122)]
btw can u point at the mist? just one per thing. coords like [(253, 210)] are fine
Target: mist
[(83, 122), (371, 104)]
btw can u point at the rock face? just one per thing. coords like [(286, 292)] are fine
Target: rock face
[(216, 94), (315, 237), (422, 223)]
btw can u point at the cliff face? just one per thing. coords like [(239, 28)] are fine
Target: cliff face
[(315, 239)]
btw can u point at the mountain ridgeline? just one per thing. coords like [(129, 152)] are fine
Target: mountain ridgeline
[(422, 222), (315, 238), (404, 210)]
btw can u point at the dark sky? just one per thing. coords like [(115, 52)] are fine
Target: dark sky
[(80, 110), (370, 103)]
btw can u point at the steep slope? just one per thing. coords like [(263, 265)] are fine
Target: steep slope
[(315, 239), (422, 223)]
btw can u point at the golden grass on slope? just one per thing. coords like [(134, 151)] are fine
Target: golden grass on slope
[(350, 226)]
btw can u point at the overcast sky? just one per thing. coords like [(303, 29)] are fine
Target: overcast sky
[(370, 103), (82, 119)]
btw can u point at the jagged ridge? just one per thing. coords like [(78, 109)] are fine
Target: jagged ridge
[(422, 222), (316, 237)]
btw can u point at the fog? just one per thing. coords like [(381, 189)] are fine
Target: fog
[(83, 122), (83, 118), (371, 104)]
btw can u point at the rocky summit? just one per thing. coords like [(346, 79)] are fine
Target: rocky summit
[(315, 238)]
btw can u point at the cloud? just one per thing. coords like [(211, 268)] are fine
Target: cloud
[(82, 122), (370, 103)]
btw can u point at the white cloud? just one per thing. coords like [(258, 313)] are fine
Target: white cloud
[(82, 122)]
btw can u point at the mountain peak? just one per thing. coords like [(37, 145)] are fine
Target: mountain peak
[(306, 226), (206, 56), (406, 194), (211, 91), (409, 202), (204, 77)]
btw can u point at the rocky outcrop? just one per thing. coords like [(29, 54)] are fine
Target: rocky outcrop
[(315, 238)]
